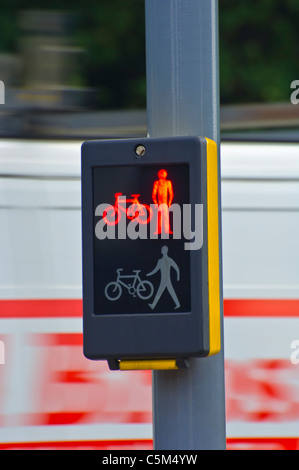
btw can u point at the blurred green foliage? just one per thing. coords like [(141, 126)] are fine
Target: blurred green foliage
[(258, 47), (113, 36)]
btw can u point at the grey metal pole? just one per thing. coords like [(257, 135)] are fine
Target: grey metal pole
[(183, 100)]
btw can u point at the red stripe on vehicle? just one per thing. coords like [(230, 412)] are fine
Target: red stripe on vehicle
[(46, 308), (261, 308), (55, 308), (72, 445)]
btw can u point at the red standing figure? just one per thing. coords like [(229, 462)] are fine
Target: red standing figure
[(163, 196)]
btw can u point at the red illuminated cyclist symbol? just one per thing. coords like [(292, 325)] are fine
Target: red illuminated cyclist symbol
[(132, 282), (142, 213)]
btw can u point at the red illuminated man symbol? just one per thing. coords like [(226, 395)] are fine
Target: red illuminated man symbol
[(163, 196)]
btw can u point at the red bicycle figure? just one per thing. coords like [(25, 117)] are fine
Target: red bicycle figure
[(142, 213)]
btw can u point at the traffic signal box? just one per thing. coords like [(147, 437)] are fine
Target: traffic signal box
[(150, 227)]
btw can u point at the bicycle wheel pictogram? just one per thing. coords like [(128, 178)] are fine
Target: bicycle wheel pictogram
[(145, 290), (113, 291), (112, 215), (143, 214)]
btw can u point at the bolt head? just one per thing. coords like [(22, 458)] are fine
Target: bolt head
[(140, 150)]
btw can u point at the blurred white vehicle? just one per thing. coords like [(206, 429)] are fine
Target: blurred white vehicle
[(52, 397)]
